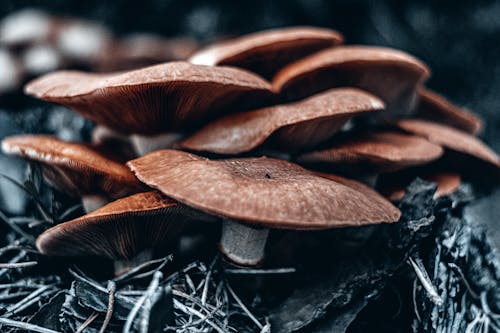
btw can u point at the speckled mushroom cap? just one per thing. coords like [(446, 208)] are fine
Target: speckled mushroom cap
[(366, 190), (434, 107), (119, 230), (451, 139), (376, 152), (153, 99), (265, 52), (291, 126), (389, 74), (393, 186), (263, 191), (74, 168)]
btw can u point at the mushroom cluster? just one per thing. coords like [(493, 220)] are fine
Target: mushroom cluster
[(33, 42), (281, 129)]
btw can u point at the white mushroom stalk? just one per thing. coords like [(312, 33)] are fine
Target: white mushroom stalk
[(145, 144), (125, 265), (243, 244), (93, 202)]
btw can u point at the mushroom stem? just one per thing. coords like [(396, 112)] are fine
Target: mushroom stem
[(93, 202), (146, 144), (243, 244), (369, 179), (124, 265)]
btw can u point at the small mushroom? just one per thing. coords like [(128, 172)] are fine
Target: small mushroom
[(25, 27), (370, 154), (75, 168), (143, 49), (393, 185), (436, 108), (40, 59), (392, 75), (82, 41), (126, 230), (293, 126), (152, 101), (265, 52), (255, 194), (452, 139)]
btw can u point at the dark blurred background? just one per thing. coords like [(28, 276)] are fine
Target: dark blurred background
[(459, 40)]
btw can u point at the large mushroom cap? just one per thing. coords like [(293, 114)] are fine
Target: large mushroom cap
[(266, 52), (72, 167), (119, 230), (451, 139), (153, 99), (264, 191), (376, 152), (293, 126), (389, 74), (358, 186), (437, 108)]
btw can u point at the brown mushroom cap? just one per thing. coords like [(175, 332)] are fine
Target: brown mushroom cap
[(119, 230), (452, 139), (437, 108), (263, 191), (153, 99), (394, 185), (376, 152), (74, 168), (389, 74), (265, 52), (293, 126), (366, 190)]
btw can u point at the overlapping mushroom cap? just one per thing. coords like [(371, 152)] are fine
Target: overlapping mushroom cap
[(294, 126), (452, 139), (266, 52), (153, 99), (392, 75), (119, 230), (75, 168), (381, 151), (262, 191), (434, 107), (393, 186)]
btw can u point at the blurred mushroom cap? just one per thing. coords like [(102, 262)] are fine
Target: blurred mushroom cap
[(434, 107), (451, 139)]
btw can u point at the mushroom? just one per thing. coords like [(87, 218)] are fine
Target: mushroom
[(75, 169), (367, 155), (293, 126), (392, 75), (436, 108), (25, 27), (393, 185), (265, 52), (152, 103), (144, 49), (452, 139), (126, 231), (255, 194), (40, 59), (82, 41)]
